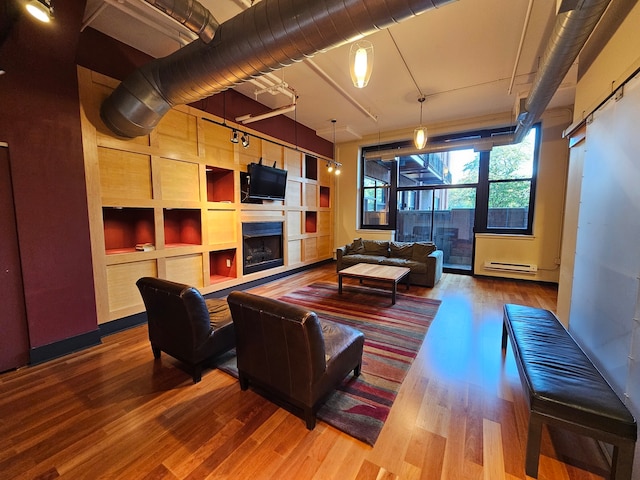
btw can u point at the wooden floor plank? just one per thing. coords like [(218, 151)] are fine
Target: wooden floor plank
[(111, 411)]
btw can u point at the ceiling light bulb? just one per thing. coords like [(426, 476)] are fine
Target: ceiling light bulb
[(39, 9), (329, 168), (361, 62), (420, 133), (420, 137), (337, 171)]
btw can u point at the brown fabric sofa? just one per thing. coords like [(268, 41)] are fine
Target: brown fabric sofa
[(423, 258), (286, 352), (185, 325)]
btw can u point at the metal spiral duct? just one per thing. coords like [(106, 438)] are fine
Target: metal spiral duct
[(570, 33), (270, 35), (190, 13)]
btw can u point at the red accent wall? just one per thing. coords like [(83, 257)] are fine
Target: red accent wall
[(40, 120)]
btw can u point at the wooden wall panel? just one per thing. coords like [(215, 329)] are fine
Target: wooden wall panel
[(310, 195), (186, 269), (222, 226), (124, 174), (178, 133), (179, 180), (121, 283)]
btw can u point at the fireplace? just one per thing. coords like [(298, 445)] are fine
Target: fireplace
[(261, 246)]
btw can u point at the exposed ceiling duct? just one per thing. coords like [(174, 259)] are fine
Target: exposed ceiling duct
[(191, 14), (270, 35), (570, 33)]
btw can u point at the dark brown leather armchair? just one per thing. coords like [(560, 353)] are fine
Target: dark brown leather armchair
[(286, 351), (185, 325)]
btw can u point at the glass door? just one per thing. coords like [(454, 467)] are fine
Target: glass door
[(436, 202)]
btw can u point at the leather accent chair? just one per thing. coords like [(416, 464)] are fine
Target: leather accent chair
[(185, 325), (286, 351)]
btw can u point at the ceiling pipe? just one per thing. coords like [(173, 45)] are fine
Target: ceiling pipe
[(570, 33), (327, 78), (270, 35), (244, 119), (190, 13)]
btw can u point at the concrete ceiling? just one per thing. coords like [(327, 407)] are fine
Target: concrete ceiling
[(466, 57)]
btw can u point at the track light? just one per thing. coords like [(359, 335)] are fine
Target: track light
[(40, 9), (329, 167), (234, 136), (245, 139)]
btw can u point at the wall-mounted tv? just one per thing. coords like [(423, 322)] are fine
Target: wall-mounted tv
[(266, 183)]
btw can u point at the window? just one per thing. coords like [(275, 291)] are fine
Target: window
[(377, 191), (511, 180), (490, 191)]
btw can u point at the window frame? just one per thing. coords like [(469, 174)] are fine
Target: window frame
[(482, 187)]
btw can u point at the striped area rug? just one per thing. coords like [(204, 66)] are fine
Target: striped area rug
[(393, 336)]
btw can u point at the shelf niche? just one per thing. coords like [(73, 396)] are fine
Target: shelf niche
[(310, 167), (182, 227), (310, 222), (126, 227), (222, 265), (219, 184), (325, 195)]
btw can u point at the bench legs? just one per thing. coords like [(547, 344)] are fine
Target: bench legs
[(534, 437), (504, 335), (622, 461)]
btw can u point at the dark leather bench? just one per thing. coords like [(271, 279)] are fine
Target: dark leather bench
[(565, 389)]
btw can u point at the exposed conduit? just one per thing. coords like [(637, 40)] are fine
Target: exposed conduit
[(270, 35), (571, 31), (190, 13)]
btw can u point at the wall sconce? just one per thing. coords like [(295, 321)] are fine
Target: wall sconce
[(245, 139), (234, 136), (361, 62), (420, 133), (40, 9)]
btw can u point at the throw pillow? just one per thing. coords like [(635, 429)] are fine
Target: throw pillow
[(421, 250), (376, 247), (401, 250), (357, 246)]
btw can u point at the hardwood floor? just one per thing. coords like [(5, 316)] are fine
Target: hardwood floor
[(113, 412)]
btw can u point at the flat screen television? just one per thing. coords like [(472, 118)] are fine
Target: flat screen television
[(266, 183)]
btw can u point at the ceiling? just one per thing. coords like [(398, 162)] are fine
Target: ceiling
[(468, 58)]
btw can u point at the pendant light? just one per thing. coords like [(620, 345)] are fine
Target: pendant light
[(40, 9), (361, 62), (420, 133)]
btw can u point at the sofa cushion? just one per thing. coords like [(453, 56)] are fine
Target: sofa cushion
[(401, 250), (359, 258), (421, 250), (416, 267), (376, 247)]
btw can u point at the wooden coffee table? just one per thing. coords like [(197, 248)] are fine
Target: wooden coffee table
[(381, 273)]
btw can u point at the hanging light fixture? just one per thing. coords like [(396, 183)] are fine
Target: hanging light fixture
[(234, 136), (420, 133), (333, 166), (361, 62), (40, 9), (245, 139)]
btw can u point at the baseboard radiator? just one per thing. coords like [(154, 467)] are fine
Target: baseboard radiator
[(511, 267)]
